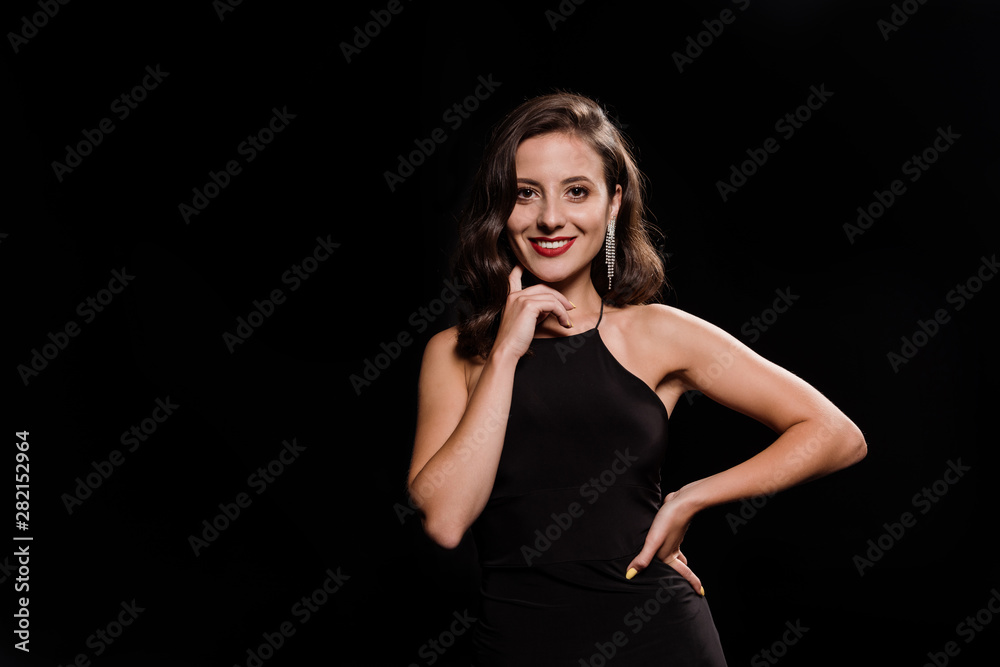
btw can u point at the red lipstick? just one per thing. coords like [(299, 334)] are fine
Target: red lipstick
[(552, 252)]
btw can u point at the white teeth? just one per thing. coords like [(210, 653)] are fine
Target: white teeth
[(552, 244)]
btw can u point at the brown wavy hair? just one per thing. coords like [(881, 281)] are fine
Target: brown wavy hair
[(484, 259)]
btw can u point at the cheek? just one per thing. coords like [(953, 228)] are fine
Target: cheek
[(510, 232), (516, 224)]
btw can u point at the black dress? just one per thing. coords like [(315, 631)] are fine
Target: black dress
[(577, 487)]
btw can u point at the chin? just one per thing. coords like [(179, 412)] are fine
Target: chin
[(552, 274)]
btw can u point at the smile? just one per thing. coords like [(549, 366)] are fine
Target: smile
[(552, 247)]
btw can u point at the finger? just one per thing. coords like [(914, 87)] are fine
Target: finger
[(515, 278), (545, 289), (682, 567), (643, 558), (545, 305)]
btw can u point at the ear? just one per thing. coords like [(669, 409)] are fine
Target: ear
[(616, 201)]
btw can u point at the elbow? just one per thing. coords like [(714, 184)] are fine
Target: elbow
[(861, 449), (441, 528), (862, 446), (443, 533), (855, 446)]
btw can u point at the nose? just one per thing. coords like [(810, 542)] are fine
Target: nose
[(550, 216)]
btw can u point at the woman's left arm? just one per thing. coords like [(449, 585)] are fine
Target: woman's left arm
[(815, 437)]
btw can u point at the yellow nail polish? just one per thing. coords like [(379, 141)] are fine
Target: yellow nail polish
[(702, 591), (572, 304), (631, 573)]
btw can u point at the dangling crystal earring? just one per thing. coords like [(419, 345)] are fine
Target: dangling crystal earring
[(609, 251)]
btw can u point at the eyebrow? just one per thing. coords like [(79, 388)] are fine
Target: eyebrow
[(565, 181)]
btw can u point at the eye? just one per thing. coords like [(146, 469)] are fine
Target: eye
[(578, 192), (524, 193)]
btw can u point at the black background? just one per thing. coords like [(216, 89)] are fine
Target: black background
[(341, 505)]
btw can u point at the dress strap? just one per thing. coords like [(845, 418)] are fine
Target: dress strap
[(601, 316)]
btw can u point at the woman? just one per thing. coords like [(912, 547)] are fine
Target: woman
[(543, 415)]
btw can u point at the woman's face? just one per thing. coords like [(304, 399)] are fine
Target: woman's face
[(562, 211)]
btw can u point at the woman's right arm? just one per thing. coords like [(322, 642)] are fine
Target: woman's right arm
[(459, 438), (460, 435)]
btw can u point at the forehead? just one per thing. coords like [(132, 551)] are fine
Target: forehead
[(555, 155)]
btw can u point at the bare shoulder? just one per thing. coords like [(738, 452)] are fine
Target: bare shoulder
[(445, 341), (442, 361), (671, 342), (442, 349), (670, 319), (658, 325), (696, 354), (656, 317), (442, 396)]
